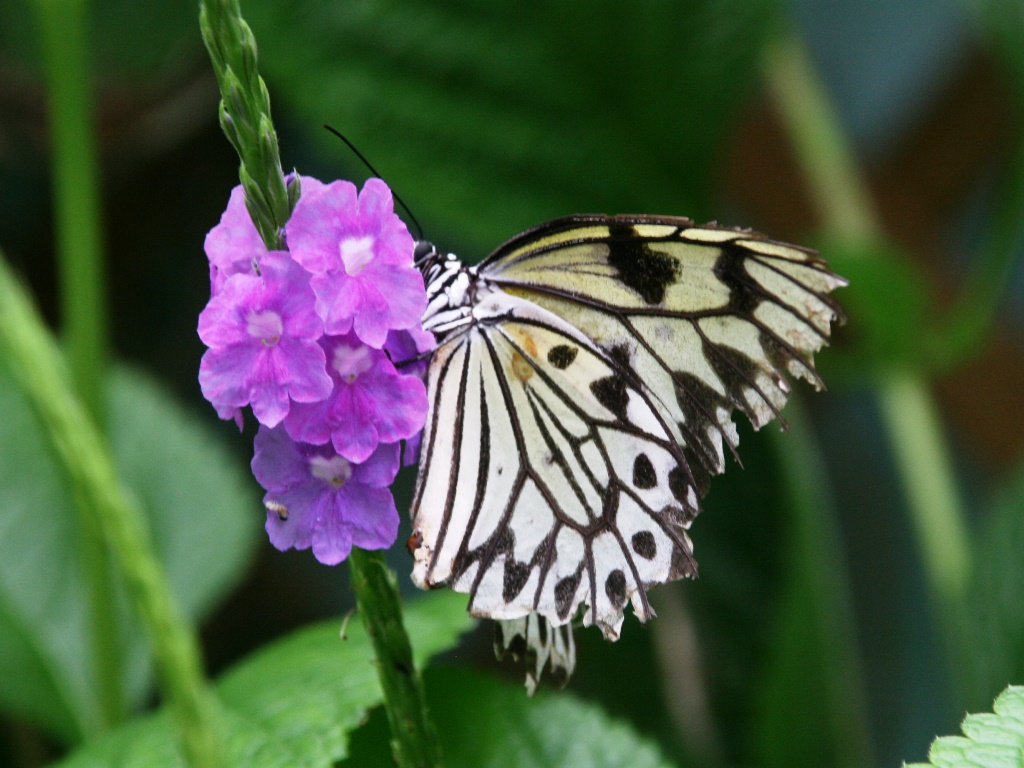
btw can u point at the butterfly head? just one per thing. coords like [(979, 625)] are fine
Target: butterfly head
[(450, 289)]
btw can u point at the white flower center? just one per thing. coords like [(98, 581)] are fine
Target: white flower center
[(336, 470), (349, 362), (265, 326), (356, 253)]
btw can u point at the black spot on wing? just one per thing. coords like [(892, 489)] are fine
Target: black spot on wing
[(744, 296), (615, 588), (611, 392), (565, 591), (646, 271), (562, 356), (620, 354), (516, 576), (644, 475), (644, 544), (505, 542), (679, 484)]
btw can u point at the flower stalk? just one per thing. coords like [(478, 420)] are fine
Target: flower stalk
[(413, 738), (245, 117)]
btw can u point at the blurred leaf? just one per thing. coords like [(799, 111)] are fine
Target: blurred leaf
[(487, 723), (989, 740), (491, 117), (887, 303), (294, 702), (42, 599), (994, 624), (203, 517), (1003, 20), (811, 708), (204, 513), (132, 40)]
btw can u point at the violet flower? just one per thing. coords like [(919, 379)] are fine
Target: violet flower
[(360, 254), (316, 498), (371, 403), (233, 246), (262, 332)]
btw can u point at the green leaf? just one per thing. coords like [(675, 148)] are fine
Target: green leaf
[(203, 509), (203, 514), (490, 117), (989, 740), (487, 723), (294, 702)]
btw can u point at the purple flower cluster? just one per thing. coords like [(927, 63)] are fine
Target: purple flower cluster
[(307, 337)]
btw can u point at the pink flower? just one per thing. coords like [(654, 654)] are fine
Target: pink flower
[(234, 245), (360, 254), (371, 403), (262, 332), (318, 499), (307, 337)]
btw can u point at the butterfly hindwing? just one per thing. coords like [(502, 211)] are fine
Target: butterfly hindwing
[(568, 488), (541, 645)]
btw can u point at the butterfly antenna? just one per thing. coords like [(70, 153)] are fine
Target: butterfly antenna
[(376, 173)]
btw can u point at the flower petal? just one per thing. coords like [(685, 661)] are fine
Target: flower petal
[(372, 519)]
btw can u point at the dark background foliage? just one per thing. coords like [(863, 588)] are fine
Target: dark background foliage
[(488, 118)]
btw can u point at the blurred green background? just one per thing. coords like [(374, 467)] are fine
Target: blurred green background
[(811, 636)]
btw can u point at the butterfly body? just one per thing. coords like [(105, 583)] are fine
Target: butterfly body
[(580, 400)]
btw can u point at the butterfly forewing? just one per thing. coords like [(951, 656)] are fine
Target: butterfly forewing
[(711, 317)]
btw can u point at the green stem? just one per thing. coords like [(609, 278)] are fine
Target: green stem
[(922, 457), (825, 157), (908, 410), (413, 739), (63, 37), (82, 450), (245, 118)]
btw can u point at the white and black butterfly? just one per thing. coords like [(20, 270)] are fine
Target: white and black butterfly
[(581, 396)]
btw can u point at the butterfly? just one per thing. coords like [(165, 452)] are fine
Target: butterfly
[(581, 397)]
